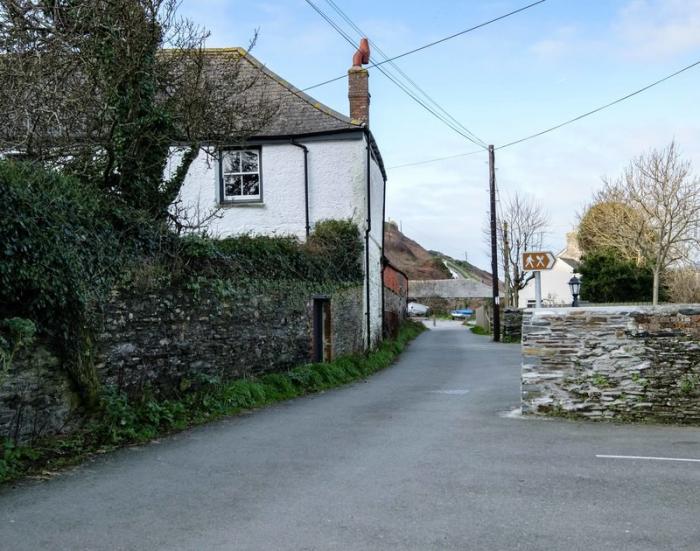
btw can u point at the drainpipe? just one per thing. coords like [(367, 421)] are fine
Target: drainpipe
[(306, 184), (382, 254), (367, 231)]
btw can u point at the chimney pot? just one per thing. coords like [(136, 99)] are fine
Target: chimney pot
[(358, 84)]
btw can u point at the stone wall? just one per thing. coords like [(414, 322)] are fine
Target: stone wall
[(169, 340), (347, 324), (441, 305), (511, 325), (626, 363), (394, 312), (36, 396), (460, 289)]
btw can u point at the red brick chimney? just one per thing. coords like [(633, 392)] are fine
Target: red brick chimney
[(358, 84)]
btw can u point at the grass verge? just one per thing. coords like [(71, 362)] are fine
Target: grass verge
[(121, 422), (478, 330)]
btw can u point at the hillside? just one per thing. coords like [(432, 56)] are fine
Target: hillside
[(420, 264), (463, 268), (409, 257)]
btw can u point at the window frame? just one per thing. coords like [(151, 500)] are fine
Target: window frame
[(242, 200)]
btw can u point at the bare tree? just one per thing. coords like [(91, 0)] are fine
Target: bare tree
[(104, 88), (523, 223), (598, 229), (660, 189), (683, 284)]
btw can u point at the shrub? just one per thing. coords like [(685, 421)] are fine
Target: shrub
[(333, 253), (606, 277)]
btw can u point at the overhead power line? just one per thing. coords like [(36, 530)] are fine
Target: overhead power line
[(426, 161), (401, 86), (558, 126), (434, 43), (597, 110), (403, 75)]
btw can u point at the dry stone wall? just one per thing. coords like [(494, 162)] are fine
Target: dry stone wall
[(626, 363), (36, 395), (511, 325), (166, 341)]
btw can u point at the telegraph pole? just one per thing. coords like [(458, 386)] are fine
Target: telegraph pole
[(494, 247)]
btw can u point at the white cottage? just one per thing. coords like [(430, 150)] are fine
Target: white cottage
[(309, 163), (555, 282)]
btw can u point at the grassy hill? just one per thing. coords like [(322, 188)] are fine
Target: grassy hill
[(419, 263)]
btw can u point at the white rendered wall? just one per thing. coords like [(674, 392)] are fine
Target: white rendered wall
[(375, 251), (336, 189), (555, 286)]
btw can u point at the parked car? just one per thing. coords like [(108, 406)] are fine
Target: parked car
[(462, 313), (417, 309)]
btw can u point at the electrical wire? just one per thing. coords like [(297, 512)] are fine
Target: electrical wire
[(435, 160), (402, 74), (400, 85), (599, 109), (430, 44)]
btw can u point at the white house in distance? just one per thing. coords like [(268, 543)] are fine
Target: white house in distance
[(555, 282), (310, 163)]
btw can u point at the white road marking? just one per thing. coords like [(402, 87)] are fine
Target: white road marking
[(455, 392), (680, 459)]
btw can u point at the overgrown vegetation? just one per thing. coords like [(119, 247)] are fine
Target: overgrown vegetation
[(122, 422), (65, 247), (15, 334), (102, 89), (478, 330)]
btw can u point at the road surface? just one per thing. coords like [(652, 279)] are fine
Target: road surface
[(419, 457)]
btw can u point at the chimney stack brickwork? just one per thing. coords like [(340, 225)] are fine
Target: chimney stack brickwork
[(358, 94)]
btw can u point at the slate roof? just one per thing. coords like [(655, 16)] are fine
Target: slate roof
[(298, 112)]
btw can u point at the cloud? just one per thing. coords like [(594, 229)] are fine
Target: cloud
[(561, 44), (657, 29)]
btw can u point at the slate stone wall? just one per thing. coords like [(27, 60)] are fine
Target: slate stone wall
[(347, 322), (169, 340), (511, 325), (174, 337), (626, 363), (36, 396)]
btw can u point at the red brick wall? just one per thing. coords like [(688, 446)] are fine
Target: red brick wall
[(395, 280)]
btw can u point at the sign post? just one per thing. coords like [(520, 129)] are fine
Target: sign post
[(536, 262)]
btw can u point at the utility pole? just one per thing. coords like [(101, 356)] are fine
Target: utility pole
[(506, 265), (494, 247)]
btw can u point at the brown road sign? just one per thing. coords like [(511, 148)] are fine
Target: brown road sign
[(539, 260)]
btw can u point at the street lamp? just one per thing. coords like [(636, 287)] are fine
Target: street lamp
[(575, 286)]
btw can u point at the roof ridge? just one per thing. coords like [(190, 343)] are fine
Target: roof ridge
[(313, 102)]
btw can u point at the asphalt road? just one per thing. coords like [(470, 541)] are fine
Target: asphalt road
[(419, 457)]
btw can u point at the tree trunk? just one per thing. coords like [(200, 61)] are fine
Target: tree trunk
[(655, 296)]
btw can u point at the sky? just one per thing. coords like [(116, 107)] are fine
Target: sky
[(505, 81)]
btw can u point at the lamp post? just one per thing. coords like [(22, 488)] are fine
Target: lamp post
[(575, 286)]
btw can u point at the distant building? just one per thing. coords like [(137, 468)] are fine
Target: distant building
[(395, 297), (555, 282)]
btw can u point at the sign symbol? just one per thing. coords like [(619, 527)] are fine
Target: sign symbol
[(540, 260)]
